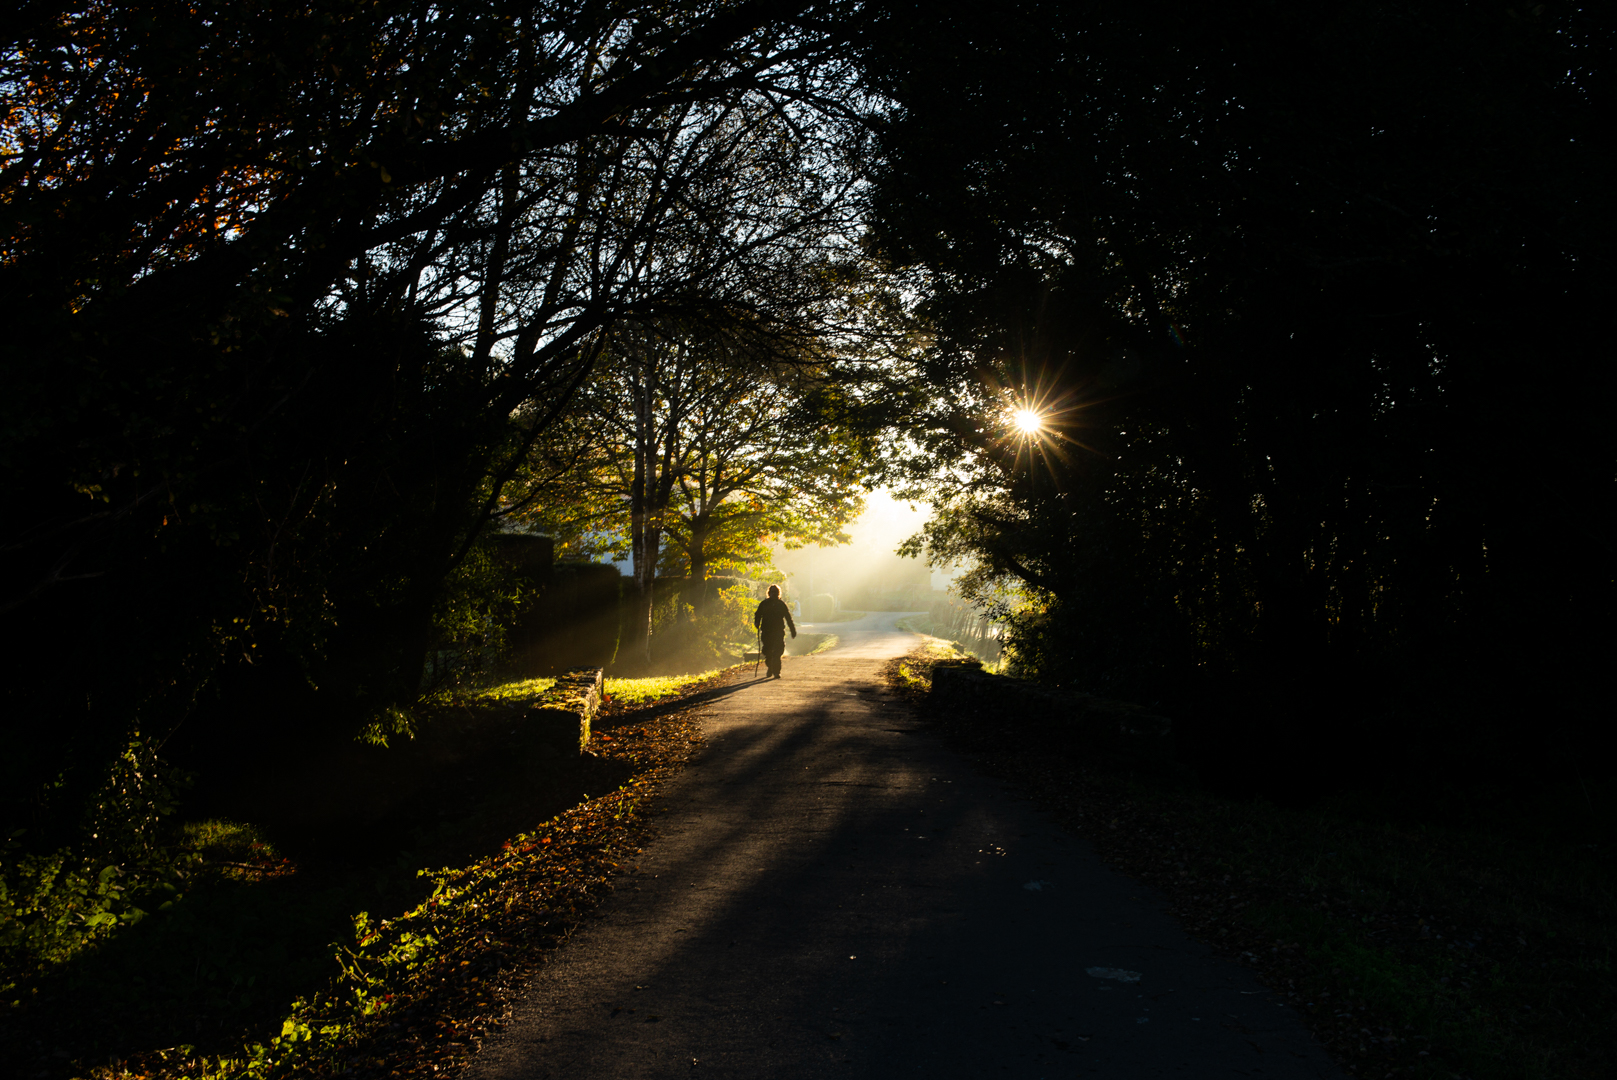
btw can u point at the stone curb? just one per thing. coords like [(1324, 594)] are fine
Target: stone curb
[(561, 715)]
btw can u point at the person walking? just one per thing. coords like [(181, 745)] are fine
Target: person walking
[(771, 621)]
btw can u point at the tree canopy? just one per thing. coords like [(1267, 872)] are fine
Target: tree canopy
[(691, 452), (1308, 303), (291, 291)]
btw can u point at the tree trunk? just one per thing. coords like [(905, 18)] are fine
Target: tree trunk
[(698, 580), (647, 543), (650, 492), (643, 542)]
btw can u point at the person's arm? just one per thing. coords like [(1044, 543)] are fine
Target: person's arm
[(789, 621)]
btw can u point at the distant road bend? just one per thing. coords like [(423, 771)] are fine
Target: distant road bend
[(834, 894)]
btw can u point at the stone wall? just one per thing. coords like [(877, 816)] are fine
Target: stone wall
[(562, 714), (1109, 727)]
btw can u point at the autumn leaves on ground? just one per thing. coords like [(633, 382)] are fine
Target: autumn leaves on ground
[(1410, 949), (416, 967), (1250, 363)]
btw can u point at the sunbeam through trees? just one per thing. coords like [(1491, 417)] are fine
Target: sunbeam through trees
[(1248, 367)]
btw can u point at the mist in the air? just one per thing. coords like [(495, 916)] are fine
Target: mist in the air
[(866, 574)]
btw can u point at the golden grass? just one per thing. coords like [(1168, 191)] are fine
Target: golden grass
[(515, 691), (653, 687), (624, 691)]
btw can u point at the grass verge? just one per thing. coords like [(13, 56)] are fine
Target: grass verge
[(942, 648), (517, 690), (1411, 949), (913, 673), (631, 692), (625, 691)]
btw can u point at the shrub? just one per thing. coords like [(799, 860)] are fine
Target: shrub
[(713, 634), (481, 599), (55, 904)]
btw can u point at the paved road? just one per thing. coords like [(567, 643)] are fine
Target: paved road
[(836, 895), (874, 637)]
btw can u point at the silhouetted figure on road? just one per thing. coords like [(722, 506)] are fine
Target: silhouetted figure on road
[(772, 618)]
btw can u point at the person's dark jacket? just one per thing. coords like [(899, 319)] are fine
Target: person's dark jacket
[(772, 618)]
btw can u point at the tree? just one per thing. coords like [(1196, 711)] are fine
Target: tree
[(700, 450), (1303, 298), (290, 292), (767, 459)]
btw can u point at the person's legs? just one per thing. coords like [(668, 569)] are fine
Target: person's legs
[(774, 646)]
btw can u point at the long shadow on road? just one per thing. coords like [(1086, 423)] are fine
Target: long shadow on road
[(836, 894)]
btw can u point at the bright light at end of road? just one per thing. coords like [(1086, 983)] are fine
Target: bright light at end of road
[(1027, 421)]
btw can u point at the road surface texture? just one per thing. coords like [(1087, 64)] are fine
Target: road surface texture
[(834, 894)]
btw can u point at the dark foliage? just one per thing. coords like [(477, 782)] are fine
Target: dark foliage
[(1469, 942), (1312, 300), (276, 336)]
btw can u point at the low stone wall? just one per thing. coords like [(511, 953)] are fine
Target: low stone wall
[(561, 715), (1111, 727)]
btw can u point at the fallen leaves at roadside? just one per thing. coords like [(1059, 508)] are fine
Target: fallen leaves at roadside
[(420, 991)]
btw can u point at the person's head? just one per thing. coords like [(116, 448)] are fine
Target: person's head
[(774, 592)]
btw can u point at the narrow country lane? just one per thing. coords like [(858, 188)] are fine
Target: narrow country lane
[(834, 894)]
